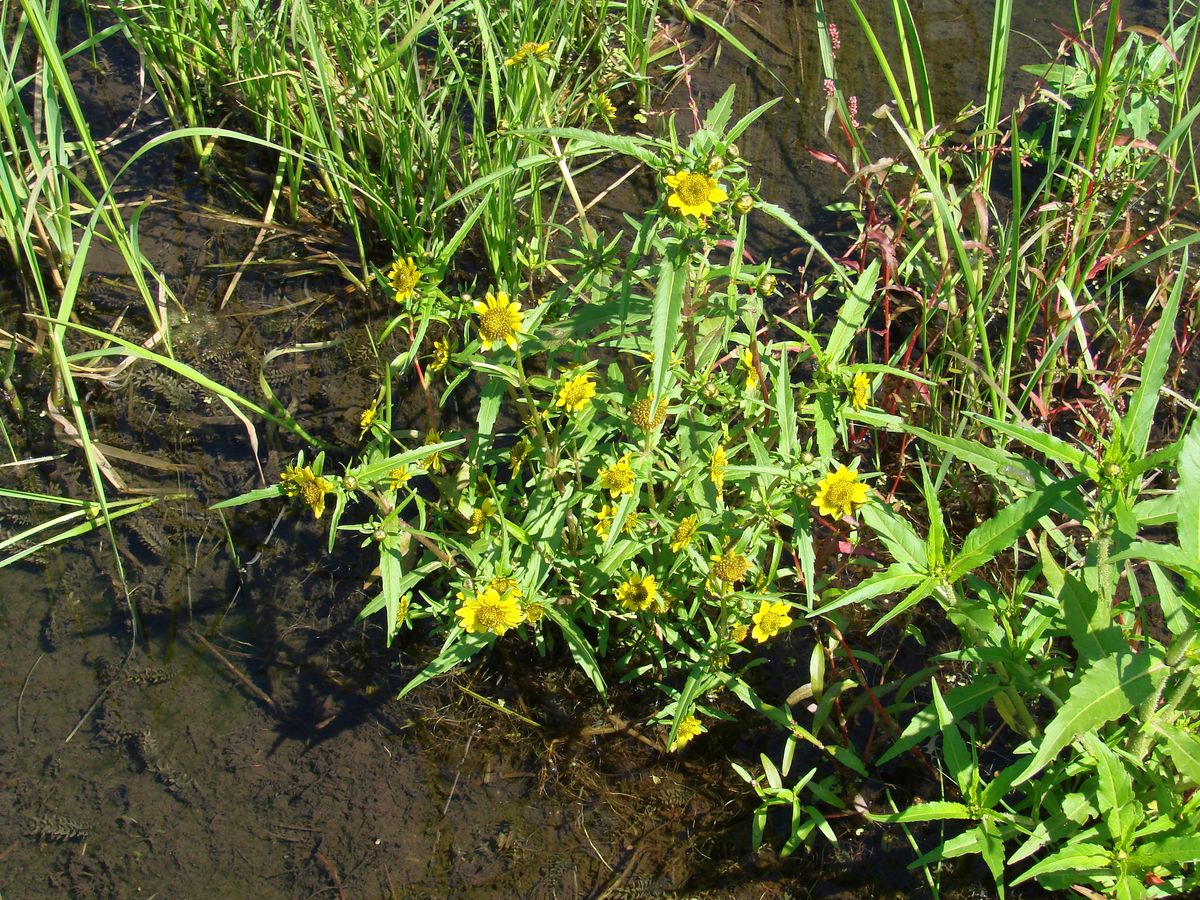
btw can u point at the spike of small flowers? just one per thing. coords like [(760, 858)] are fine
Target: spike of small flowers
[(694, 193), (860, 391), (770, 619), (403, 278), (689, 728), (618, 478), (637, 593), (840, 493), (487, 611), (499, 320), (577, 393)]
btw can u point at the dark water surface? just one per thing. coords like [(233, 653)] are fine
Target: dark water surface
[(248, 745)]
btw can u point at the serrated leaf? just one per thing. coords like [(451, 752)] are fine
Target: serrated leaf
[(892, 580), (961, 701), (1167, 852), (915, 596), (851, 315), (458, 648), (1188, 523), (1089, 622), (1108, 689), (1139, 418), (664, 326), (934, 810), (1083, 858), (581, 649), (1182, 748), (1046, 444), (1002, 530)]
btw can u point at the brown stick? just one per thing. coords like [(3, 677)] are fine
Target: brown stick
[(257, 692)]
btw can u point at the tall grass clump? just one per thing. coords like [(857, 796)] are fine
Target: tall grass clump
[(390, 109)]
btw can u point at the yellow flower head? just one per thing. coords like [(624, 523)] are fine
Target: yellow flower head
[(682, 536), (738, 632), (604, 520), (485, 511), (577, 393), (840, 493), (716, 467), (488, 611), (518, 454), (441, 355), (403, 278), (751, 371), (770, 619), (368, 417), (505, 586), (729, 567), (637, 593), (689, 727), (605, 107), (642, 416), (309, 487), (398, 477), (433, 462), (694, 193), (534, 613), (499, 320), (618, 478), (529, 50), (860, 391)]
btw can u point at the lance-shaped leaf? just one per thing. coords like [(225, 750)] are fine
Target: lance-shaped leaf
[(1108, 689), (1002, 530), (1140, 416), (1188, 523)]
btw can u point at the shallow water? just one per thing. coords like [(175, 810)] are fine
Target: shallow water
[(249, 745)]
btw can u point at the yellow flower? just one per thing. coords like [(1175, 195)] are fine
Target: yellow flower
[(577, 393), (518, 454), (306, 485), (637, 593), (716, 467), (403, 278), (839, 493), (770, 619), (682, 535), (617, 479), (529, 50), (751, 371), (433, 462), (604, 520), (441, 355), (399, 477), (730, 567), (689, 727), (738, 632), (642, 416), (486, 510), (693, 193), (499, 320), (368, 417), (488, 611), (860, 391), (534, 613), (605, 107), (403, 608), (631, 522)]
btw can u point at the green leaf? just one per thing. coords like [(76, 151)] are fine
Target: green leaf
[(1114, 791), (1107, 690), (1046, 444), (1089, 622), (581, 650), (1001, 531), (1139, 418), (275, 490), (1171, 556), (934, 810), (664, 327), (458, 648), (1160, 510), (489, 405), (954, 748), (960, 701), (851, 315), (890, 581), (901, 540), (1170, 851), (915, 596), (1188, 524), (1182, 748), (1082, 858)]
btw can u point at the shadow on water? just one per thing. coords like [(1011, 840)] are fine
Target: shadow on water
[(248, 744)]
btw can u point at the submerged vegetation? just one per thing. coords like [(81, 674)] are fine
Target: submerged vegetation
[(926, 507)]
